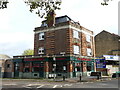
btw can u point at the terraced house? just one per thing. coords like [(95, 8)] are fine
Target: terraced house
[(61, 47)]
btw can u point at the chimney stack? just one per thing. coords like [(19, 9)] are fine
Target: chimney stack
[(51, 18)]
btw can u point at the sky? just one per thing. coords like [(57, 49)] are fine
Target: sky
[(17, 22)]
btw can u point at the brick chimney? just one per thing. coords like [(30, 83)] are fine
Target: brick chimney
[(51, 18)]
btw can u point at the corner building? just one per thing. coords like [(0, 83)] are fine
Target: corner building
[(68, 42), (61, 47)]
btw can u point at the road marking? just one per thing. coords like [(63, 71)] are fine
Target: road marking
[(26, 86), (40, 86), (68, 85), (57, 86), (29, 85)]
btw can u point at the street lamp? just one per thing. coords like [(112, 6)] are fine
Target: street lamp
[(54, 59)]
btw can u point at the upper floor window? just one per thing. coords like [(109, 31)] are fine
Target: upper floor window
[(75, 34), (41, 50), (88, 38), (89, 52), (8, 65), (76, 49), (41, 36)]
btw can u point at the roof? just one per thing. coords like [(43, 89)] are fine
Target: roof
[(60, 19), (104, 31), (3, 56)]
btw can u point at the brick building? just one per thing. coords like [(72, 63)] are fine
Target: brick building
[(61, 47), (8, 71), (107, 44), (4, 67)]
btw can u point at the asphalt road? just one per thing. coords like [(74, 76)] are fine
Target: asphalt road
[(37, 84)]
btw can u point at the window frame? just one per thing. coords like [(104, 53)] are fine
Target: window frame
[(8, 65), (88, 38), (76, 34), (76, 49), (41, 50), (41, 36), (89, 52)]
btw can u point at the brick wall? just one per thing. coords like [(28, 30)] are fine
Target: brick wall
[(105, 42), (62, 40)]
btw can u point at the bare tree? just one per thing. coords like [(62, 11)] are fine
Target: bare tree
[(42, 7)]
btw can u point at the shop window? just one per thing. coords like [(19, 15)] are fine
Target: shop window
[(27, 64), (60, 67), (26, 70), (88, 68), (89, 52), (76, 49), (77, 69), (16, 66), (36, 69), (41, 50), (75, 34), (41, 36)]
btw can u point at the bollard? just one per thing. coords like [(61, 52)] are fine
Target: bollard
[(63, 77), (98, 77), (80, 77)]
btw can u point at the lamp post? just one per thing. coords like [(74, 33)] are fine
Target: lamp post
[(54, 59)]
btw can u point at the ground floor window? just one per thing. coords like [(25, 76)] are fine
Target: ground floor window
[(26, 69), (88, 68), (36, 69), (78, 69), (59, 67)]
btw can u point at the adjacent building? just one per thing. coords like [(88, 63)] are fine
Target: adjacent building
[(61, 47), (107, 47), (107, 43), (4, 66)]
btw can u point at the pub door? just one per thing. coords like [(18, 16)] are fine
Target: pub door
[(41, 70)]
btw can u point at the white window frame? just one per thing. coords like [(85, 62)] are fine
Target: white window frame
[(89, 52), (76, 49), (88, 38), (41, 36), (41, 50), (75, 34)]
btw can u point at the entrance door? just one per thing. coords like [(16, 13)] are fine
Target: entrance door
[(41, 70), (16, 70)]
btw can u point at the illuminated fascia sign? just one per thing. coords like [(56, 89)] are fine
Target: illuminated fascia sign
[(111, 57), (84, 59), (33, 59)]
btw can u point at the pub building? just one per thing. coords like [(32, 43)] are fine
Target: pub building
[(61, 47)]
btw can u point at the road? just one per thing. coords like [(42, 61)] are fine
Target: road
[(37, 84)]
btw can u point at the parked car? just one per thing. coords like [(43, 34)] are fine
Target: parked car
[(97, 75), (115, 75)]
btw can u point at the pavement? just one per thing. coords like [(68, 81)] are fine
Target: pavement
[(72, 80), (83, 79)]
